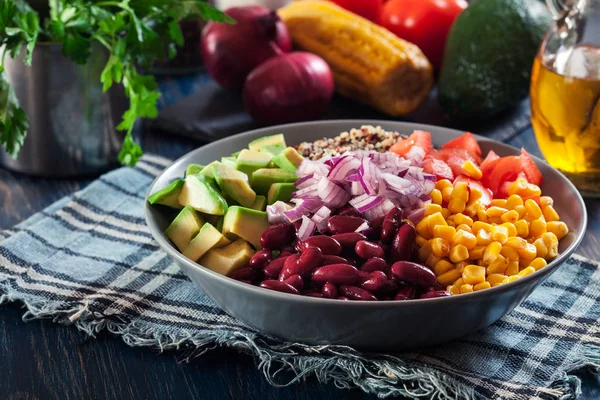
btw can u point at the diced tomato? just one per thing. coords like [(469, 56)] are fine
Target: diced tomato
[(455, 158), (491, 156), (531, 170), (486, 198), (467, 142), (438, 168), (500, 171), (421, 139)]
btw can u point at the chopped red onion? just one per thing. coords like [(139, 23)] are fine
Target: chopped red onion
[(363, 227), (307, 228), (275, 213), (365, 202), (321, 217)]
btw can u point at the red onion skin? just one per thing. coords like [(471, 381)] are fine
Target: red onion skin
[(231, 51), (292, 87)]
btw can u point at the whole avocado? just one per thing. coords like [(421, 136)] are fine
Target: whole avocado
[(489, 54)]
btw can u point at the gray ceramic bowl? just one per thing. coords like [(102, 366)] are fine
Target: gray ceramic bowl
[(385, 325)]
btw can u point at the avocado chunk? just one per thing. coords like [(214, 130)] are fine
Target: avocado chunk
[(206, 239), (169, 195), (245, 223), (236, 154), (260, 203), (184, 227), (193, 169), (273, 149), (289, 160), (234, 184), (202, 196), (228, 161), (262, 179), (207, 171), (488, 56), (228, 259), (259, 143), (249, 161), (280, 192)]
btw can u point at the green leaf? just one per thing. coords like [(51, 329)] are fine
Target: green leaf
[(13, 119), (77, 47), (175, 32), (130, 151)]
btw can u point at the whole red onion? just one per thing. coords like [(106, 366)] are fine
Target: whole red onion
[(291, 87), (231, 51)]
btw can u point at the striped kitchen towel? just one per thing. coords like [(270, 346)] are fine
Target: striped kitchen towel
[(88, 260)]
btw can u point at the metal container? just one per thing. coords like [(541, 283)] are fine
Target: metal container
[(71, 121)]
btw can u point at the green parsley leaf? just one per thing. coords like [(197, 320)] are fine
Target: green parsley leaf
[(13, 119), (77, 48)]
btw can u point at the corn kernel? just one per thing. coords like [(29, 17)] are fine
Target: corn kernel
[(466, 288), (494, 220), (449, 277), (521, 210), (510, 253), (442, 266), (447, 194), (495, 278), (453, 289), (444, 232), (458, 253), (481, 286), (499, 233), (527, 271), (531, 190), (511, 278), (442, 184), (478, 225), (459, 282), (421, 240), (512, 268), (498, 266), (529, 252), (482, 216), (471, 210), (513, 201), (522, 228), (497, 284), (424, 251), (516, 242), (472, 170), (498, 203), (432, 260), (551, 242), (541, 248), (432, 209), (546, 201), (464, 227), (495, 211), (524, 263), (517, 186), (537, 227), (533, 209), (463, 219), (476, 252), (473, 274), (456, 205), (510, 227), (440, 247), (559, 228), (465, 238), (445, 213), (425, 226), (550, 213), (474, 195), (538, 263), (491, 252), (510, 216), (461, 191), (436, 196)]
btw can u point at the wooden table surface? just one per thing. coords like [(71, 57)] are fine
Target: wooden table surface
[(43, 360)]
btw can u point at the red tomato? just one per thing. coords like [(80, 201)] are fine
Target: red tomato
[(438, 168), (455, 158), (486, 197), (531, 170), (500, 171), (421, 139), (491, 156), (368, 9), (466, 141), (425, 23)]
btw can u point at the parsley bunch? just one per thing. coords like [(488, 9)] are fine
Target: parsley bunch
[(135, 33)]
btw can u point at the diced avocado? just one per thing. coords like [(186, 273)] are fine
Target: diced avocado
[(228, 259), (206, 239), (215, 220), (273, 149), (235, 184), (184, 227), (193, 169), (260, 203), (228, 161), (249, 161), (262, 179), (289, 160), (202, 196), (280, 192), (245, 223), (169, 195), (259, 143), (207, 171), (236, 154)]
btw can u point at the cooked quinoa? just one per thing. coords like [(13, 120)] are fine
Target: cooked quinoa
[(367, 137)]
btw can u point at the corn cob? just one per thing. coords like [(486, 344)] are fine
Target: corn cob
[(370, 64)]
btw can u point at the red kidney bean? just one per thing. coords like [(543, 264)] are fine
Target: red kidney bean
[(313, 294), (327, 244), (349, 239), (343, 298), (329, 291), (348, 212), (390, 224), (363, 276), (365, 250), (260, 259), (406, 292), (375, 282), (390, 288), (329, 259), (356, 293), (436, 293), (338, 274), (295, 281), (413, 273), (374, 264), (273, 268), (343, 224), (286, 253), (277, 236), (289, 249), (243, 274), (308, 260), (288, 265), (279, 286), (403, 243)]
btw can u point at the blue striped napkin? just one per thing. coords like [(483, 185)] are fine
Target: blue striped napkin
[(88, 260)]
